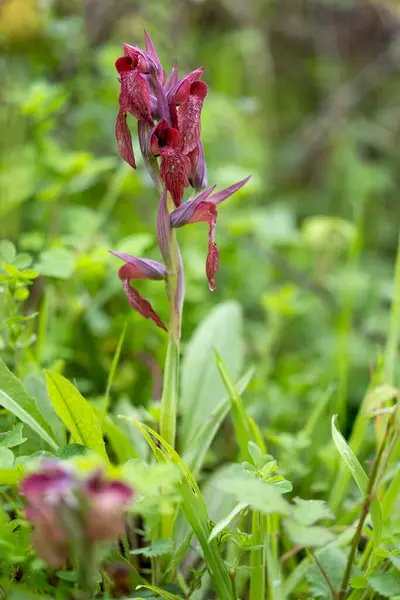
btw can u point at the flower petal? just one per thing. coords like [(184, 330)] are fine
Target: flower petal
[(181, 89), (53, 483), (224, 194), (140, 268), (164, 236), (124, 139), (173, 77), (184, 214), (151, 51), (189, 116), (135, 95), (174, 170), (140, 305), (151, 163), (198, 174)]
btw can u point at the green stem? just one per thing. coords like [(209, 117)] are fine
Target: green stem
[(257, 560), (169, 399), (369, 495), (394, 325)]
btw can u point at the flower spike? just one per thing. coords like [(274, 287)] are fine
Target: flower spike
[(135, 269)]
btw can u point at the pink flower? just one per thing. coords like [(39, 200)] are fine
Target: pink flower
[(107, 501), (204, 209)]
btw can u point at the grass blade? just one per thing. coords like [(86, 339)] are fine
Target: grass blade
[(360, 477), (195, 511)]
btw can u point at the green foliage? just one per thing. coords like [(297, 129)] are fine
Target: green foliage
[(305, 321)]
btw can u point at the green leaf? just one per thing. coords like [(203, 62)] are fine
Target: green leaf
[(163, 593), (241, 422), (360, 477), (196, 452), (395, 560), (114, 363), (36, 387), (202, 388), (56, 262), (308, 512), (359, 582), (385, 584), (76, 413), (6, 458), (256, 493), (7, 251), (13, 437), (220, 526), (14, 398), (334, 562), (156, 548), (10, 476), (118, 440), (194, 509), (71, 450), (304, 535)]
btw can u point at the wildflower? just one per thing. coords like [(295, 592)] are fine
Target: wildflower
[(204, 209), (45, 491), (138, 269), (63, 509), (107, 499), (175, 166)]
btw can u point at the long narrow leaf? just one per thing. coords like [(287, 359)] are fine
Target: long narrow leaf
[(194, 456), (14, 398), (195, 511), (360, 477)]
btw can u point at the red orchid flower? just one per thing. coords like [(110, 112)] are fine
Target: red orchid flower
[(134, 97), (175, 167), (204, 209), (138, 269)]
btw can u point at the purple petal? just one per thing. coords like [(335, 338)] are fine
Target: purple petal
[(141, 268), (224, 194), (173, 78), (151, 51), (52, 482), (183, 214), (164, 229), (198, 174), (183, 85), (151, 163), (117, 491), (162, 103)]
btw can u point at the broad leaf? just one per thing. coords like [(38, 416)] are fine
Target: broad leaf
[(258, 494), (14, 398), (385, 584), (202, 388), (13, 437), (308, 512), (304, 535), (76, 413)]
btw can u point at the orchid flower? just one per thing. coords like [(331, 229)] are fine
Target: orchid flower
[(139, 269), (175, 166), (204, 209)]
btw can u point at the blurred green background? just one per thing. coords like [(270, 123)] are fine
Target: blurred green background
[(305, 96)]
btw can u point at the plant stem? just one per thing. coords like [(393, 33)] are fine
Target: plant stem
[(394, 325), (369, 494), (169, 399), (257, 561)]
